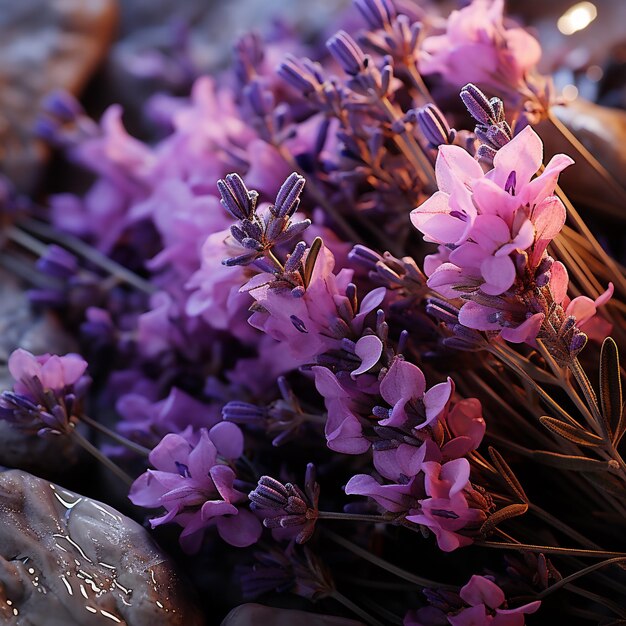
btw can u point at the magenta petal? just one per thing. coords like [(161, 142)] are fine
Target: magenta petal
[(476, 316), (473, 616), (454, 164), (391, 497), (372, 300), (466, 420), (202, 457), (481, 590), (499, 274), (224, 478), (216, 508), (240, 530), (402, 382), (559, 280), (368, 349), (146, 491), (436, 398), (228, 439), (522, 155), (172, 449), (525, 332), (23, 365)]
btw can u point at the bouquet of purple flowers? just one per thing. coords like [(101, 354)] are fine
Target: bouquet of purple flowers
[(352, 360)]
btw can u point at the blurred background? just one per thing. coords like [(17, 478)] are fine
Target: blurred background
[(124, 50)]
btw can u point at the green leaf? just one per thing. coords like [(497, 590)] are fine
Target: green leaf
[(311, 257), (610, 386), (576, 434), (508, 512), (570, 462), (507, 473)]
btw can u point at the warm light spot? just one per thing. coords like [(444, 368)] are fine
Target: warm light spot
[(594, 73), (570, 93), (577, 17)]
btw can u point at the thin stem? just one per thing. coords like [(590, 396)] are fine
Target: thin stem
[(357, 610), (389, 567), (593, 554), (563, 527), (579, 574), (131, 445), (89, 447), (86, 251), (618, 610)]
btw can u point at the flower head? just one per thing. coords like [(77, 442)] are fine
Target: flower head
[(195, 485), (47, 393)]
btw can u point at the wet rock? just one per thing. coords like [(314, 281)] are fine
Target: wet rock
[(21, 327), (67, 560), (44, 45), (259, 615)]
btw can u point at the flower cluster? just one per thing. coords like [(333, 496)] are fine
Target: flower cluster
[(479, 603), (493, 231), (195, 485), (48, 392)]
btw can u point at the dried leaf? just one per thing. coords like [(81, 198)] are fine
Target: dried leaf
[(508, 512), (507, 473), (570, 462), (610, 386), (311, 257), (576, 434)]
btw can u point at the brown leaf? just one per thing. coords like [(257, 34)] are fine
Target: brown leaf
[(508, 512), (507, 473), (570, 462), (611, 387), (576, 434)]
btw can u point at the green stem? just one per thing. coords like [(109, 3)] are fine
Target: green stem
[(86, 251), (576, 575), (357, 610), (89, 447), (131, 445), (594, 554)]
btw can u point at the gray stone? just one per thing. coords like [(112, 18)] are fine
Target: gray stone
[(67, 560), (44, 45)]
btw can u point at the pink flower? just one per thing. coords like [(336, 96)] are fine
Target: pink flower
[(478, 48), (485, 598), (195, 485)]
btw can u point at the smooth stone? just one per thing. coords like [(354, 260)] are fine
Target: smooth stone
[(67, 560), (259, 615), (44, 45)]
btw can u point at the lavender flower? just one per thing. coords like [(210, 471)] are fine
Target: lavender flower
[(195, 485), (287, 506), (47, 394)]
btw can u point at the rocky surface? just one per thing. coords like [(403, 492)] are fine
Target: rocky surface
[(67, 560), (44, 45)]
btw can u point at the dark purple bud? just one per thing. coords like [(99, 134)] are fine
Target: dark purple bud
[(62, 105), (478, 105), (295, 258), (288, 196), (377, 13), (433, 124), (577, 343), (298, 324), (347, 53), (293, 230), (304, 75), (236, 198)]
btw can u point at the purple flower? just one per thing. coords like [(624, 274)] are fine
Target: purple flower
[(47, 393), (485, 600), (478, 48), (479, 603), (195, 485)]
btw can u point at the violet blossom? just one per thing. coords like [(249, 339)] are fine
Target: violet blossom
[(477, 47), (195, 485), (479, 603), (47, 393)]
